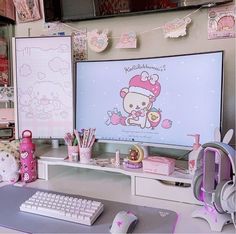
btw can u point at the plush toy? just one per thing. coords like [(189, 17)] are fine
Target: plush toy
[(9, 161)]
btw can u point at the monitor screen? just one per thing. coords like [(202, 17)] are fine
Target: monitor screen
[(43, 74), (151, 100)]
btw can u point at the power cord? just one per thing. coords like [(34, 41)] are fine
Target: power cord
[(182, 156), (233, 216), (182, 170)]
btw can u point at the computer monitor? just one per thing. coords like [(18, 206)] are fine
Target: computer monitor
[(153, 101), (43, 79)]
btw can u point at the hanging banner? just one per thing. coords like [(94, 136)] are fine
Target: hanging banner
[(127, 40), (98, 42), (176, 28)]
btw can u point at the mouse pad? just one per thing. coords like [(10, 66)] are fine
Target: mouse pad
[(151, 220)]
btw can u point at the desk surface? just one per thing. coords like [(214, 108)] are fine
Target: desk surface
[(116, 187)]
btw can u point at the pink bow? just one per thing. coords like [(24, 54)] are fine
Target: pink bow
[(137, 114)]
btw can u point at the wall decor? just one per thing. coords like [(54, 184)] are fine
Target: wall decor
[(127, 40), (176, 28), (80, 49), (27, 10), (221, 22), (97, 42)]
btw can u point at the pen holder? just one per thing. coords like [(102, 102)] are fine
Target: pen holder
[(73, 152), (85, 155)]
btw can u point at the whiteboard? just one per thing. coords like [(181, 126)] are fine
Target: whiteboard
[(44, 86)]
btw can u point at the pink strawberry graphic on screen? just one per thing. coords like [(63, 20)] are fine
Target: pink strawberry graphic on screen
[(166, 123), (115, 118)]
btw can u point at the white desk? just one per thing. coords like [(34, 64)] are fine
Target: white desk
[(116, 187)]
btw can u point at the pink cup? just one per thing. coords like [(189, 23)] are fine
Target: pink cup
[(85, 155), (73, 152)]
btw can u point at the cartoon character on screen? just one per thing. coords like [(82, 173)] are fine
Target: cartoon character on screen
[(154, 117), (138, 98)]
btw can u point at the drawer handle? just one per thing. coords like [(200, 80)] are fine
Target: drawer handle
[(173, 183)]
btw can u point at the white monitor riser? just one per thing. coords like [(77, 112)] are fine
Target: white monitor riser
[(52, 162)]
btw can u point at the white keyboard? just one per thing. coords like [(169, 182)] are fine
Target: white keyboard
[(63, 207)]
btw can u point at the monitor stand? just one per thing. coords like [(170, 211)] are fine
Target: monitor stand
[(215, 220), (55, 144)]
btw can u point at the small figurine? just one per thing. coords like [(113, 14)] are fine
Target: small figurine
[(136, 154), (135, 157)]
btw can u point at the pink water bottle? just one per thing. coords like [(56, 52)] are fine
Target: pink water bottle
[(27, 158)]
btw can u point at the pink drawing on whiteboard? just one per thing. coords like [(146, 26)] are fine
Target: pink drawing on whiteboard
[(38, 102), (25, 70), (41, 76), (59, 65)]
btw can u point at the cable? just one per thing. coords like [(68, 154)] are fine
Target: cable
[(182, 156), (138, 33), (233, 216)]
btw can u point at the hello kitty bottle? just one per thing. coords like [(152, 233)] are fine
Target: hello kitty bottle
[(27, 158)]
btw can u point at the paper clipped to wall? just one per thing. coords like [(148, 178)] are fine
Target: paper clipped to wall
[(221, 22), (127, 40), (176, 28), (98, 42)]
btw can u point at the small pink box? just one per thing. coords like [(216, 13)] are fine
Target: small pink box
[(159, 165)]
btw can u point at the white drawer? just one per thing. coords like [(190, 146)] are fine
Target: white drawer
[(160, 189)]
